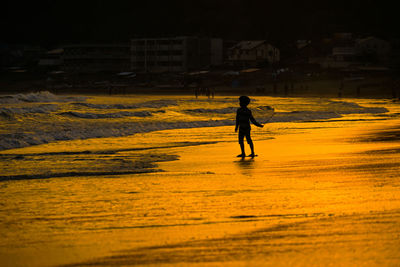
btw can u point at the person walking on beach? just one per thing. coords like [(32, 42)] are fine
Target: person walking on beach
[(243, 118)]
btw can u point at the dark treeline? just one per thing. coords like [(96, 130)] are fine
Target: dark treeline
[(54, 22)]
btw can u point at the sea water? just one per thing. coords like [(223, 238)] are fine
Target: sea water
[(84, 177)]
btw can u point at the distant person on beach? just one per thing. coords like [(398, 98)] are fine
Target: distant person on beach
[(243, 118), (208, 92)]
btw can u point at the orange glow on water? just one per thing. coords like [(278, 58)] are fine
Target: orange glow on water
[(317, 193)]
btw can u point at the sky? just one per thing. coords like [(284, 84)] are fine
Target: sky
[(51, 23)]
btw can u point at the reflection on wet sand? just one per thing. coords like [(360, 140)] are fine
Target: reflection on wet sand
[(245, 165)]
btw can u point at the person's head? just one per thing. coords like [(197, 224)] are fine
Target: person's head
[(244, 101)]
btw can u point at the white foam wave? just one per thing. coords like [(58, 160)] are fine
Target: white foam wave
[(335, 110), (228, 110), (147, 104), (73, 132), (303, 116), (218, 100), (42, 96), (68, 130), (108, 115), (11, 111), (343, 107), (365, 110)]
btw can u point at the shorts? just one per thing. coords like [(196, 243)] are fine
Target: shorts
[(244, 132)]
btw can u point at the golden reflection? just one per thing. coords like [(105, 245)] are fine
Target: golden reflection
[(245, 165)]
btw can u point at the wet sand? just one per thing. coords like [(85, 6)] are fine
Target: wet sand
[(326, 195), (322, 192)]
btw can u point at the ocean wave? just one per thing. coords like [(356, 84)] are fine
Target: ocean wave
[(365, 110), (303, 116), (343, 107), (69, 131), (11, 111), (147, 104), (38, 97), (335, 110), (121, 114), (230, 110), (218, 100), (72, 130)]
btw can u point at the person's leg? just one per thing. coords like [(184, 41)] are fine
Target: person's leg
[(252, 148), (242, 149), (241, 143), (250, 142)]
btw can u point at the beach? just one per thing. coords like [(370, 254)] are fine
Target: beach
[(155, 181)]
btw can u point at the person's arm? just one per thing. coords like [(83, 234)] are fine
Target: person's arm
[(254, 121), (237, 121)]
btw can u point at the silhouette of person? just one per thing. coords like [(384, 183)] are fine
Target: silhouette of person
[(243, 118), (208, 92)]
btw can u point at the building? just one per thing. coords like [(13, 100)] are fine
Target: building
[(177, 54), (88, 58), (341, 57), (310, 53), (253, 54), (343, 53), (373, 49), (348, 51)]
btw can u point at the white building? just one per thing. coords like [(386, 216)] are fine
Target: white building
[(177, 54)]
